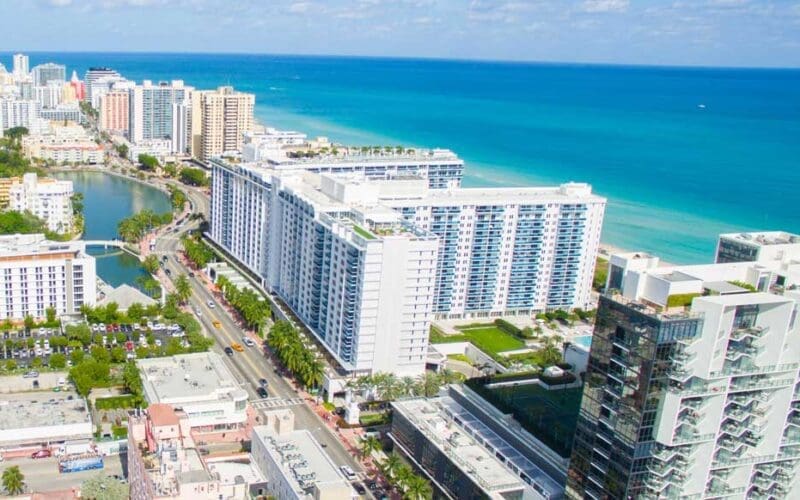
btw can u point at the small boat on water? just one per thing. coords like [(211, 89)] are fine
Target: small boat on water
[(701, 106)]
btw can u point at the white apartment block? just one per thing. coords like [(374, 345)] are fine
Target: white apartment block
[(294, 464), (50, 95), (693, 386), (21, 66), (48, 199), (92, 76), (278, 151), (360, 278), (38, 274), (758, 246), (18, 113), (366, 264), (45, 73)]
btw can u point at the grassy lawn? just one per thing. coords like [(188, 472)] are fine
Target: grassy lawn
[(487, 338), (373, 419), (460, 357), (363, 232), (600, 274)]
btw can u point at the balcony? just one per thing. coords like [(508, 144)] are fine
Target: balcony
[(754, 332)]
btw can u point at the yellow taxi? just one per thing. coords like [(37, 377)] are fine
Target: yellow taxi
[(216, 324), (237, 347)]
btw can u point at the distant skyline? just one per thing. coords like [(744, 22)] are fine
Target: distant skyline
[(752, 33)]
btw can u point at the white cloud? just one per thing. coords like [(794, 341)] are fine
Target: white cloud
[(594, 6), (299, 7), (60, 3)]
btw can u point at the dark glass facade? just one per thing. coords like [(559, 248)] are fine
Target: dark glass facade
[(631, 355)]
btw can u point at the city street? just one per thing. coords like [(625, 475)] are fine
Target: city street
[(250, 365), (42, 474)]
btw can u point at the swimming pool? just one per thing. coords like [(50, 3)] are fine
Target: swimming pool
[(583, 340)]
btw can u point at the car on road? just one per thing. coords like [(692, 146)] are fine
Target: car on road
[(191, 275), (262, 393), (237, 347), (210, 304), (41, 454), (229, 351), (31, 374), (248, 341), (197, 311), (263, 382), (169, 273), (360, 488), (348, 472), (216, 324)]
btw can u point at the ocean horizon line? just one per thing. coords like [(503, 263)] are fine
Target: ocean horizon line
[(478, 60)]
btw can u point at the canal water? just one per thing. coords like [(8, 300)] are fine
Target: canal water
[(107, 199)]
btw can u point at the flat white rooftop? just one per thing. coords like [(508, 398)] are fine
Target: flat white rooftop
[(36, 245), (29, 415), (764, 238), (188, 378), (303, 460), (435, 419)]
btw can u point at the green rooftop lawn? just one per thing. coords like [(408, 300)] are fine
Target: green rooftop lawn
[(363, 232), (487, 338)]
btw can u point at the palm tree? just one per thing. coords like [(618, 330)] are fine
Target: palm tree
[(391, 465), (312, 373), (369, 445), (403, 475), (13, 480), (408, 386), (430, 383), (417, 488), (183, 288)]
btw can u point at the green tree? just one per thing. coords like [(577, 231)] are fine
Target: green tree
[(170, 170), (151, 264), (135, 312), (36, 362), (118, 354), (89, 373), (370, 445), (30, 323), (183, 288), (13, 480), (58, 361), (76, 356), (417, 488), (50, 314), (122, 150), (194, 176), (148, 162), (11, 365)]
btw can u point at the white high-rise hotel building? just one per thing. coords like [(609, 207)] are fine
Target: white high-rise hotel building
[(37, 274), (693, 386), (48, 199), (367, 251)]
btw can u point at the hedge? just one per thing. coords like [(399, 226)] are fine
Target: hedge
[(681, 299)]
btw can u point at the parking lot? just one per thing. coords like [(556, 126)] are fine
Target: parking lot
[(34, 348)]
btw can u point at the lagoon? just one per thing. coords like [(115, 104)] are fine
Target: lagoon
[(108, 199)]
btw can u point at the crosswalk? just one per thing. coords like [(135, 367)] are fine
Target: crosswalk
[(270, 403)]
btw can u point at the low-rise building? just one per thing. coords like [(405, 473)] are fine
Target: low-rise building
[(163, 461), (34, 419), (63, 143), (293, 462), (48, 199), (201, 386), (758, 246), (39, 274), (469, 450)]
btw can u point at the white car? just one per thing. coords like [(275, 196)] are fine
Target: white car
[(210, 304), (348, 472), (158, 342), (248, 341)]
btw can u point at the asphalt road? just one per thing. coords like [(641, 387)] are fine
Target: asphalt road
[(251, 365), (42, 474)]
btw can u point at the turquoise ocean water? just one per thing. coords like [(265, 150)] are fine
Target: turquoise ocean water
[(682, 154)]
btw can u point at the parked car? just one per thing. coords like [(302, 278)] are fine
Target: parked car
[(31, 374), (41, 454), (360, 488)]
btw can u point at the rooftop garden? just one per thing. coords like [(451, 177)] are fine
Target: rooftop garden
[(363, 232)]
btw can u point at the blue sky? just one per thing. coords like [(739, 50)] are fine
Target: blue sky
[(679, 32)]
